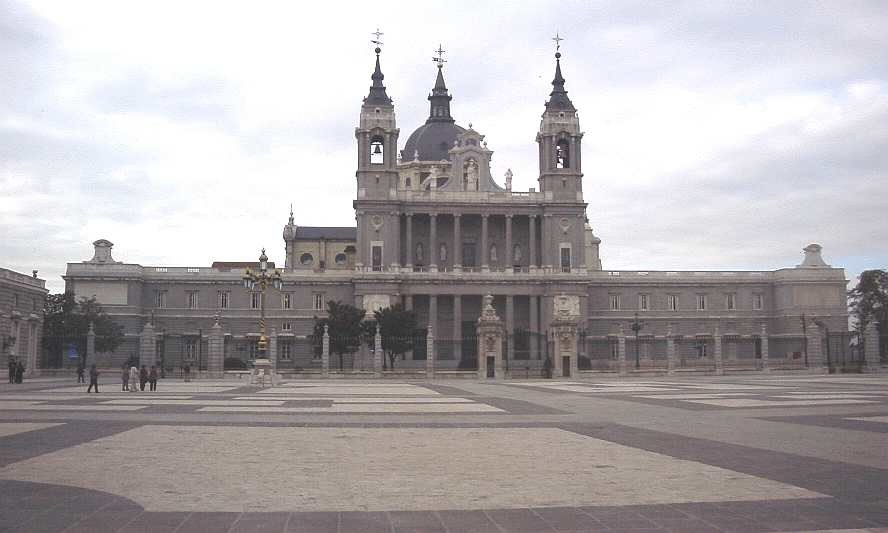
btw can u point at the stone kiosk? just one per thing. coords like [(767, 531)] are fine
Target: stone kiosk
[(564, 334), (491, 333)]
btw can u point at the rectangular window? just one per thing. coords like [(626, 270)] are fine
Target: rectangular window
[(615, 350), (193, 299), (286, 351), (256, 300), (643, 302), (254, 349), (190, 350), (286, 326), (160, 299), (565, 259), (317, 300), (615, 302), (701, 302), (730, 301), (224, 299), (757, 301), (672, 302), (376, 257), (701, 349), (286, 300)]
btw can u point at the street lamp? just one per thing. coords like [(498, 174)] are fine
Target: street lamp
[(252, 280), (636, 327)]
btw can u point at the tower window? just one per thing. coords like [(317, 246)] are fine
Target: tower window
[(562, 154), (377, 150)]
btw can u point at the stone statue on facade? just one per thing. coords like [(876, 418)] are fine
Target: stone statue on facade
[(493, 253), (508, 179), (419, 253), (442, 255), (471, 175)]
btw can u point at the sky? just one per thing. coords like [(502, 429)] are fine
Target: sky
[(718, 135)]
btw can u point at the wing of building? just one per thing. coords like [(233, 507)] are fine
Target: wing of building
[(436, 232)]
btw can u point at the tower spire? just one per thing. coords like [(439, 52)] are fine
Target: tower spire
[(439, 100), (377, 94), (558, 99)]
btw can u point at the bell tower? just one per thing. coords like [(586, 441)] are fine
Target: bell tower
[(559, 139), (377, 177)]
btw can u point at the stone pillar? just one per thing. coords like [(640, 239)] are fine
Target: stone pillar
[(457, 244), (719, 362), (378, 354), (430, 353), (215, 351), (871, 353), (508, 254), (545, 243), (621, 351), (31, 366), (670, 350), (485, 252), (815, 348), (457, 327), (763, 340), (490, 332), (433, 311), (91, 346), (533, 249), (534, 327), (325, 352), (433, 242), (147, 346), (510, 331), (272, 352), (408, 302), (408, 230)]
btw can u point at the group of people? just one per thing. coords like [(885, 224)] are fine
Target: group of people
[(16, 371), (143, 376)]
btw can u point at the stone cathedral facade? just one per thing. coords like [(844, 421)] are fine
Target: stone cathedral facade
[(437, 233)]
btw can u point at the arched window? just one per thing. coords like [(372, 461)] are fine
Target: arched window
[(377, 150), (562, 154), (408, 183)]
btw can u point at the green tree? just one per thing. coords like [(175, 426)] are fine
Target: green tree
[(345, 330), (397, 326), (869, 300), (66, 321)]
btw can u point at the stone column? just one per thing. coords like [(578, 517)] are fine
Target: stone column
[(670, 350), (408, 302), (719, 362), (534, 327), (621, 351), (430, 353), (485, 252), (91, 345), (433, 311), (510, 331), (147, 346), (377, 353), (545, 244), (533, 249), (272, 352), (325, 352), (871, 347), (508, 253), (457, 244), (457, 327), (215, 351), (409, 239), (763, 339), (433, 242), (31, 369)]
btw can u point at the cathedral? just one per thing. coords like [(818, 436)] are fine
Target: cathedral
[(438, 234)]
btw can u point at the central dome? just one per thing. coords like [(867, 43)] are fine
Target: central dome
[(432, 140)]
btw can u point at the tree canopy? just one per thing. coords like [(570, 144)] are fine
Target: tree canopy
[(344, 323), (397, 327), (66, 321), (869, 299)]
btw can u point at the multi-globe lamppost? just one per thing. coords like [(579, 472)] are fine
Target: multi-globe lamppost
[(262, 279)]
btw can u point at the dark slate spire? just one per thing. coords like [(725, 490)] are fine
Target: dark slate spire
[(377, 94), (439, 100), (558, 99)]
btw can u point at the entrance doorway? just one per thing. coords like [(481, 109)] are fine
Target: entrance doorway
[(491, 369), (565, 366)]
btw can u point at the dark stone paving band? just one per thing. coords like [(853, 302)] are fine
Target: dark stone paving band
[(834, 421)]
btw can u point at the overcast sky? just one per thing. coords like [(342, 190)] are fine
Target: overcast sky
[(717, 135)]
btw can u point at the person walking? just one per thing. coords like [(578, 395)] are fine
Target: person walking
[(143, 378), (152, 377), (12, 370), (19, 372), (93, 379), (80, 370), (133, 377), (125, 378)]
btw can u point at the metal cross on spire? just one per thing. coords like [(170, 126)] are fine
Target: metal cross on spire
[(557, 40), (378, 34), (440, 59)]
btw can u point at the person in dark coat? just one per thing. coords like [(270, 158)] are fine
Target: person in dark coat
[(152, 378), (19, 372), (125, 378), (93, 379), (143, 378), (11, 370), (80, 370)]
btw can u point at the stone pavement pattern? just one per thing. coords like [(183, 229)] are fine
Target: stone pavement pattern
[(703, 454)]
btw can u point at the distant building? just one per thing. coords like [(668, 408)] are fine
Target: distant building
[(21, 317), (436, 232)]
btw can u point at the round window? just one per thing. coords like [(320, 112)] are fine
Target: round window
[(340, 259), (306, 259)]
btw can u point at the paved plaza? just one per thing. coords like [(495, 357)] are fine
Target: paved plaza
[(735, 453)]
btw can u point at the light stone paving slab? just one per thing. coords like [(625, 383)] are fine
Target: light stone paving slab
[(393, 399), (453, 408), (502, 470), (850, 392), (175, 388), (14, 428), (36, 406), (84, 396), (590, 388), (816, 396), (354, 390), (160, 401), (733, 386), (746, 402), (879, 419), (692, 396)]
